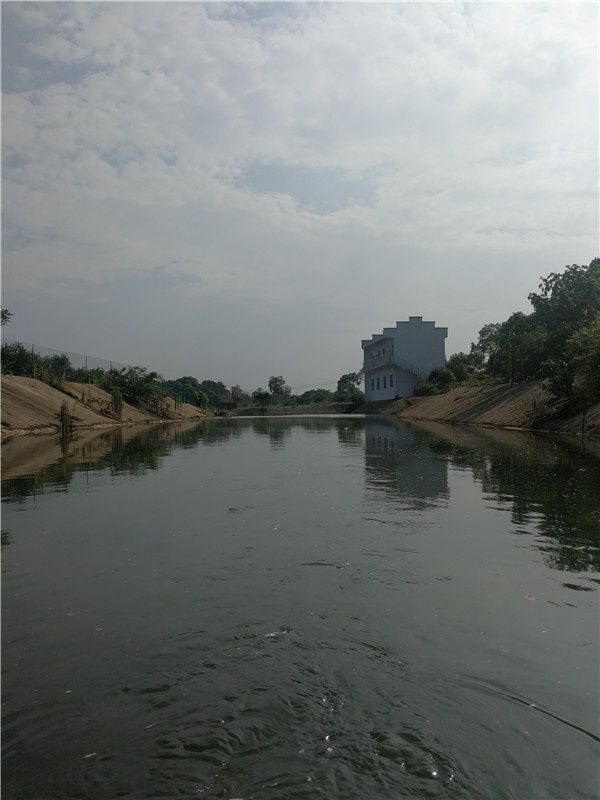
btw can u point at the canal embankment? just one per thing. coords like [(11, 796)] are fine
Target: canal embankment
[(525, 406), (30, 406)]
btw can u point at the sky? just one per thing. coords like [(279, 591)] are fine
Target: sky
[(238, 190)]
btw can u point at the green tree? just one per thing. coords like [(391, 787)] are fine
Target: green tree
[(137, 386), (261, 397), (66, 419), (54, 369), (567, 301), (521, 347), (16, 359), (464, 366), (583, 351), (348, 388), (574, 379), (214, 391), (442, 378), (486, 348), (6, 316), (424, 389), (313, 397), (188, 390), (512, 350), (239, 396), (116, 400), (280, 391)]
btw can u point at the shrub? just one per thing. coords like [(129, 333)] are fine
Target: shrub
[(424, 389)]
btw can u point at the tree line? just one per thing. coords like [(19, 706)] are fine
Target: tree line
[(558, 342), (148, 390)]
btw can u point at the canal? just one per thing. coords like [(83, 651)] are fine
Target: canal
[(272, 608)]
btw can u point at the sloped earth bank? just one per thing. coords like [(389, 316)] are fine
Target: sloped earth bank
[(525, 406), (31, 406)]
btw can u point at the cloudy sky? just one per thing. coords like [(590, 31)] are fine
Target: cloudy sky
[(239, 190)]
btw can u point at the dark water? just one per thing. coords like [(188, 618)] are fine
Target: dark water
[(301, 608)]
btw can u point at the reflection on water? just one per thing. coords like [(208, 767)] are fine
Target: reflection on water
[(120, 450), (399, 461), (297, 608), (549, 482), (546, 481)]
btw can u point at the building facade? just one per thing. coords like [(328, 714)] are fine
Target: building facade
[(396, 359)]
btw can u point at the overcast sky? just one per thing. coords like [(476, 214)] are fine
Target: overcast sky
[(238, 190)]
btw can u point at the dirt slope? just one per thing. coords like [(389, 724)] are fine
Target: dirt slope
[(31, 406), (525, 405)]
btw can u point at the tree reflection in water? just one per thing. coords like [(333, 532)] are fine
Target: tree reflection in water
[(549, 482)]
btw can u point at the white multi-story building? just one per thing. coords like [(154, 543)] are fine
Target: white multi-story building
[(399, 357)]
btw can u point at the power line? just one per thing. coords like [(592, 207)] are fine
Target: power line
[(315, 385)]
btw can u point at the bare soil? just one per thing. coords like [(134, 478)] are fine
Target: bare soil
[(31, 406), (523, 406)]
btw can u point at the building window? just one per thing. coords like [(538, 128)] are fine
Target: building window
[(378, 383), (385, 381), (391, 381), (372, 384)]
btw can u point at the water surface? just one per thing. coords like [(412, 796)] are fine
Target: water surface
[(297, 608)]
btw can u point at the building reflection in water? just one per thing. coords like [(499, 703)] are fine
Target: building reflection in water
[(400, 463)]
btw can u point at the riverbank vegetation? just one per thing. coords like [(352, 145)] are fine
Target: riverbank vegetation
[(558, 342), (148, 391)]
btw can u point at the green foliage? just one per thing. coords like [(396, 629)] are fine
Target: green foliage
[(574, 378), (442, 378), (138, 387), (116, 399), (53, 369), (425, 389), (188, 390), (66, 419), (312, 397), (348, 388), (567, 302), (159, 402), (17, 360), (261, 397), (239, 396), (513, 350), (213, 391), (279, 389), (557, 342), (6, 316), (465, 366)]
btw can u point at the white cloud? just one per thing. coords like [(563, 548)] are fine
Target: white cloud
[(133, 132)]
